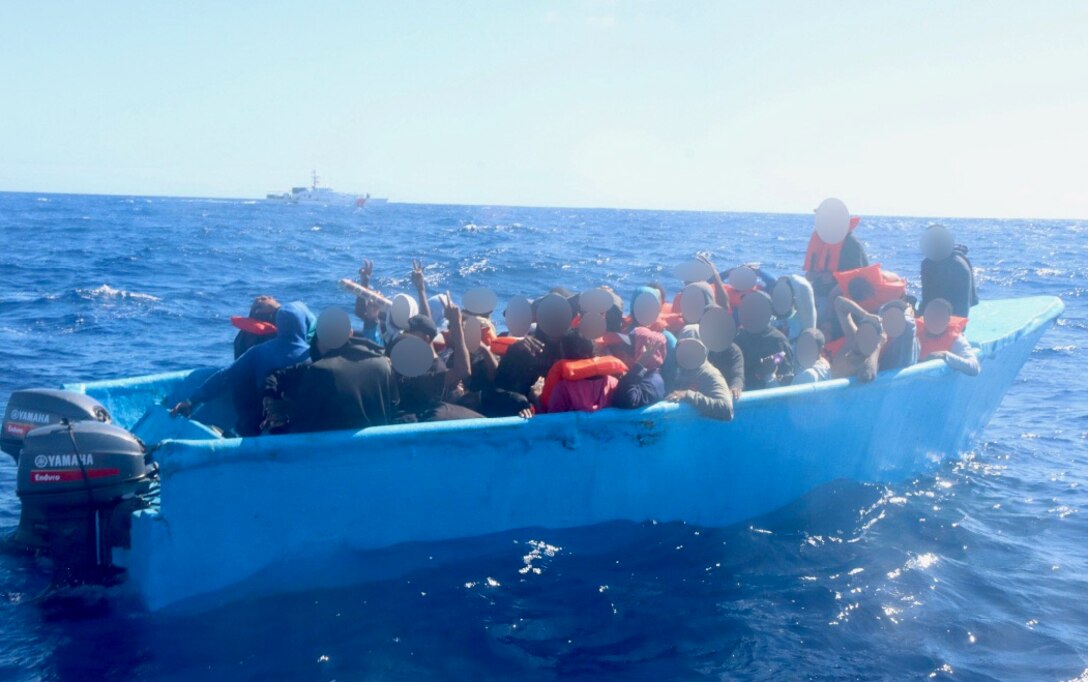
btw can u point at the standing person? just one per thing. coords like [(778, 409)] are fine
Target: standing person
[(246, 376), (831, 248), (946, 272)]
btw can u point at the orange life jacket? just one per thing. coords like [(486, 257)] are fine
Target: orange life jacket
[(886, 286), (576, 370), (255, 327), (501, 344), (934, 344), (824, 257)]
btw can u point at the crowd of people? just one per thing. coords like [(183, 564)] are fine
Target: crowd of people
[(425, 358)]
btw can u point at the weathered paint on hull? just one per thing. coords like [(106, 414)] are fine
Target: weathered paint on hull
[(232, 510)]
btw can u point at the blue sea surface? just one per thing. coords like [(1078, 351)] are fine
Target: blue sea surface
[(977, 572)]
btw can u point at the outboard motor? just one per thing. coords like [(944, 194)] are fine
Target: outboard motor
[(36, 407), (79, 482)]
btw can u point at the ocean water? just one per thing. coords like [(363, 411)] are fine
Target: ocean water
[(977, 572)]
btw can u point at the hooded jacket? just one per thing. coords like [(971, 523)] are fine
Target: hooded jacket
[(711, 396), (247, 373), (952, 279)]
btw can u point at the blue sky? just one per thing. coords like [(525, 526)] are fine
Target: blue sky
[(917, 108)]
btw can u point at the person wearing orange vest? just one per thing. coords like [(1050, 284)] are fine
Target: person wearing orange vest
[(941, 336), (589, 394), (831, 248)]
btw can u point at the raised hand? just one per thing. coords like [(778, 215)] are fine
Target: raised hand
[(452, 311), (366, 272), (417, 275)]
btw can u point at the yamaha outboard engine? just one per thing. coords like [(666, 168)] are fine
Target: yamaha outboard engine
[(79, 479), (36, 407), (79, 483)]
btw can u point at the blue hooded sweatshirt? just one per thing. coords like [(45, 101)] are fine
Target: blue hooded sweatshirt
[(247, 374)]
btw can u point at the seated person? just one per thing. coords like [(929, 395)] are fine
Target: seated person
[(699, 384), (901, 340), (589, 394), (794, 306), (527, 361), (719, 330), (349, 386), (941, 336), (946, 272), (858, 352), (245, 377), (643, 384), (427, 396), (370, 310), (768, 356), (811, 365), (258, 327)]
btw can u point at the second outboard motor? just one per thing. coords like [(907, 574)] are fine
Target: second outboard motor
[(79, 483)]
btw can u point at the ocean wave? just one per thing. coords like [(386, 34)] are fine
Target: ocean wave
[(107, 292)]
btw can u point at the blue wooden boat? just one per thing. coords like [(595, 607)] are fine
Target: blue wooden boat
[(277, 513)]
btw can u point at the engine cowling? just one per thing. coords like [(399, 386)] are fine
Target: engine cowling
[(37, 407)]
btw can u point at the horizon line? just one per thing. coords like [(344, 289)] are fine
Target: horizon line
[(515, 205)]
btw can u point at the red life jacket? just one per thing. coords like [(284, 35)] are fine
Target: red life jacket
[(255, 327), (500, 344), (886, 286), (934, 344), (576, 370), (824, 257)]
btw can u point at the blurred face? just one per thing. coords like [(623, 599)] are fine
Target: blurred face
[(895, 321), (808, 352), (782, 297), (867, 339), (755, 313), (937, 315)]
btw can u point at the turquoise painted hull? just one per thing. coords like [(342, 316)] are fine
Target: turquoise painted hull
[(274, 513)]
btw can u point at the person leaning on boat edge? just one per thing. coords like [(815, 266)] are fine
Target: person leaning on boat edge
[(245, 377)]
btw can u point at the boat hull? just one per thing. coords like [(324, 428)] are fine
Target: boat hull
[(235, 510)]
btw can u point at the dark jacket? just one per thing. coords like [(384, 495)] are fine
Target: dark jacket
[(952, 279), (349, 388), (638, 388), (519, 370), (755, 347)]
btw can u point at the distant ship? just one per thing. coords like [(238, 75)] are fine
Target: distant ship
[(324, 196)]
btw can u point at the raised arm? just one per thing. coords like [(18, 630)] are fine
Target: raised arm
[(421, 288), (720, 296), (461, 364)]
